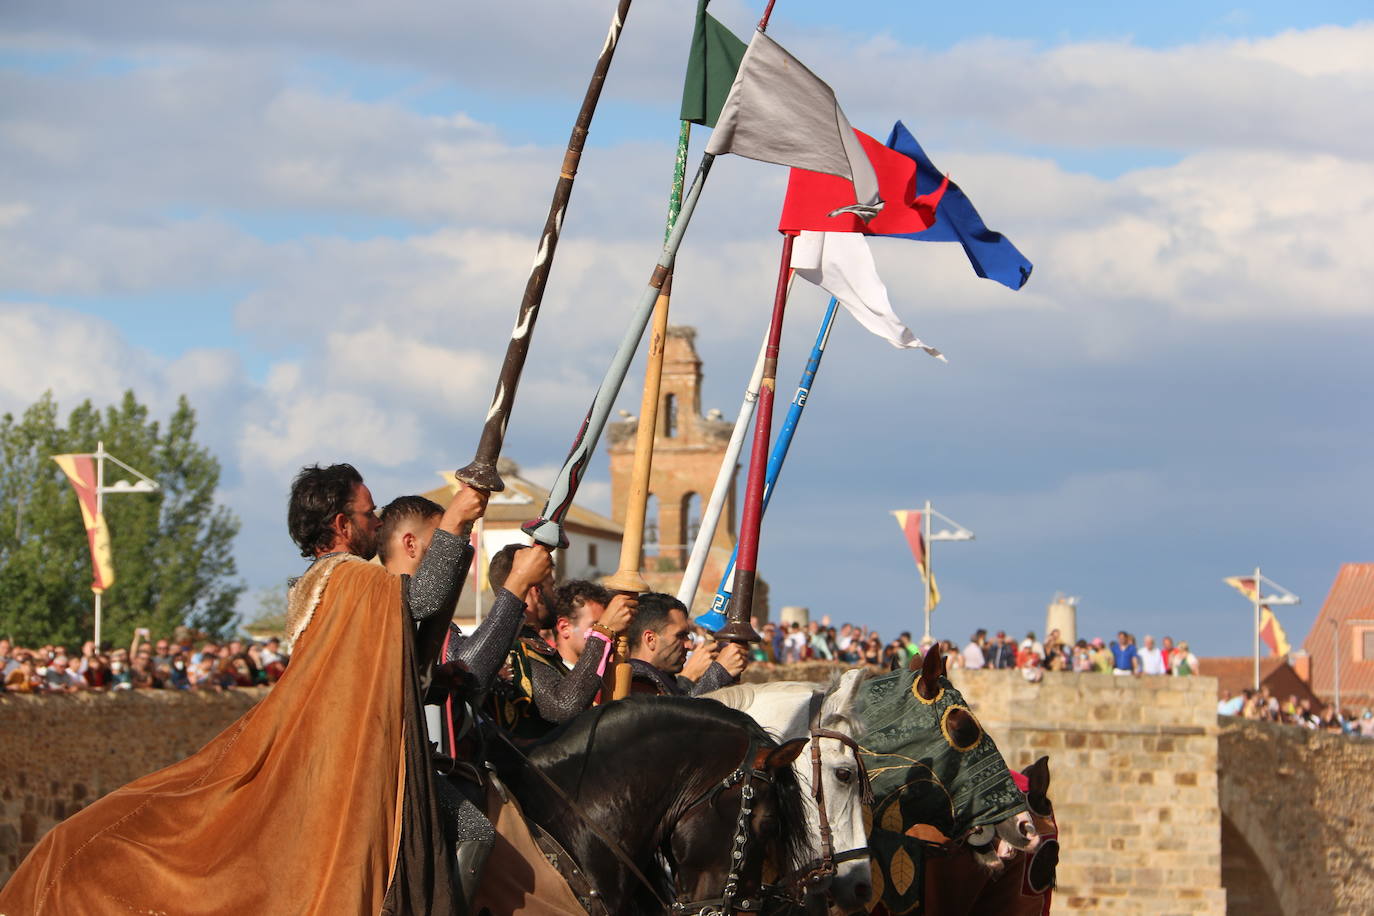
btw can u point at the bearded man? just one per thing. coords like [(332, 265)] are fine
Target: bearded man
[(337, 752)]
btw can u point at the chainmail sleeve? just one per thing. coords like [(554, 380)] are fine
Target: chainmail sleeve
[(484, 651), (715, 678), (435, 586), (560, 697)]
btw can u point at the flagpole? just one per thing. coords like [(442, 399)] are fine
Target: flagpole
[(739, 628), (710, 517), (930, 570), (548, 528), (99, 514), (1259, 586), (628, 577), (481, 471), (715, 618)]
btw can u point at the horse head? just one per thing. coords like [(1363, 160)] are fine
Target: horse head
[(939, 781), (831, 775), (731, 842)]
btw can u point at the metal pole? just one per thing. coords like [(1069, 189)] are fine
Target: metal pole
[(710, 517), (548, 528), (481, 471), (1258, 587), (1336, 657), (715, 618), (930, 570), (99, 513)]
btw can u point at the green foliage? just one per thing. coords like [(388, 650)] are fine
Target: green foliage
[(271, 612), (172, 549)]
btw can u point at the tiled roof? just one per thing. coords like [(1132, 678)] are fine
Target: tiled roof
[(1351, 598), (1238, 674), (523, 500)]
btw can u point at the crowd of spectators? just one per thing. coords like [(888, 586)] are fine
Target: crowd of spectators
[(162, 664), (851, 644)]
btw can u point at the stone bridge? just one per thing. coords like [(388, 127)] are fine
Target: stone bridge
[(1162, 809)]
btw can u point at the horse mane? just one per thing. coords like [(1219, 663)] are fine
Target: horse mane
[(644, 713)]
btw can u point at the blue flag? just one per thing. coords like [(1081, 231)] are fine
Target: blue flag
[(992, 254)]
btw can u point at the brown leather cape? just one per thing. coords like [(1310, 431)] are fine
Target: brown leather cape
[(318, 800)]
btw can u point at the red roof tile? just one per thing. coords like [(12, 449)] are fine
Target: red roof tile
[(1351, 598)]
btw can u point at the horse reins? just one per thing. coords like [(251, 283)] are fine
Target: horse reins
[(818, 870)]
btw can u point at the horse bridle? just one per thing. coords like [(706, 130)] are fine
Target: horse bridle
[(726, 904), (818, 870)]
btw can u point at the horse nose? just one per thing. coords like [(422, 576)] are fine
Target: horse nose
[(863, 892)]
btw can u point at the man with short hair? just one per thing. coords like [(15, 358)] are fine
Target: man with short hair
[(1151, 659), (1125, 656), (973, 652), (658, 652)]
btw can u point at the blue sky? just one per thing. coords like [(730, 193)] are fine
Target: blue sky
[(316, 222)]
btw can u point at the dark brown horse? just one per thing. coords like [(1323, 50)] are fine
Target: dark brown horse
[(667, 803), (963, 884)]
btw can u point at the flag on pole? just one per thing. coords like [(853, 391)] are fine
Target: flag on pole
[(841, 264), (779, 111), (992, 254), (1271, 631), (910, 522), (80, 470), (813, 196), (711, 67)]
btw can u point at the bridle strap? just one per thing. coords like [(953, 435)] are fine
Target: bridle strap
[(813, 873)]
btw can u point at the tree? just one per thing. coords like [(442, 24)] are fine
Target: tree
[(172, 549)]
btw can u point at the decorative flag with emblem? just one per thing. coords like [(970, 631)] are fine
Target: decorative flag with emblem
[(992, 254), (779, 111), (80, 470), (910, 522), (1271, 631), (812, 196)]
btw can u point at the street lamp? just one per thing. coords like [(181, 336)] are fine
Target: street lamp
[(144, 484), (1336, 654)]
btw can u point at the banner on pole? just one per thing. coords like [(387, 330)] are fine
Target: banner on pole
[(1271, 631), (80, 470), (910, 522)]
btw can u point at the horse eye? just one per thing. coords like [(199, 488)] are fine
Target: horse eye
[(844, 774), (982, 836)]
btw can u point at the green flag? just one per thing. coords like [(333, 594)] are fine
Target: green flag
[(711, 67)]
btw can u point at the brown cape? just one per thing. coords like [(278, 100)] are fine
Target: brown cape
[(297, 807)]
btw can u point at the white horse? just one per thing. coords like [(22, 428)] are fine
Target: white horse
[(794, 709)]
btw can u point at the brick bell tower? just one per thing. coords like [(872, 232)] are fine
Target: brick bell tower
[(688, 451)]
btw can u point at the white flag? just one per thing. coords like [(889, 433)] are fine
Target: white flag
[(778, 111), (841, 264)]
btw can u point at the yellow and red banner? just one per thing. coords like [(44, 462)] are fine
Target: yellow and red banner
[(80, 470), (910, 522), (1271, 631)]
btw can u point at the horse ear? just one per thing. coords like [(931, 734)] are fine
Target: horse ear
[(839, 704), (1038, 774), (928, 684), (775, 758)]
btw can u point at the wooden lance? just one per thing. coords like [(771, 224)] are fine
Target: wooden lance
[(481, 471), (738, 627), (628, 577)]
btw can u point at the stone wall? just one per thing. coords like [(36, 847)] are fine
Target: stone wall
[(60, 753), (1298, 809), (1133, 767)]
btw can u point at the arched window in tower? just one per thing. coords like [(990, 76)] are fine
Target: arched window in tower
[(670, 416), (691, 517), (651, 547)]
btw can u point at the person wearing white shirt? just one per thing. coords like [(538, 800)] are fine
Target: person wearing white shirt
[(973, 652), (1151, 659)]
